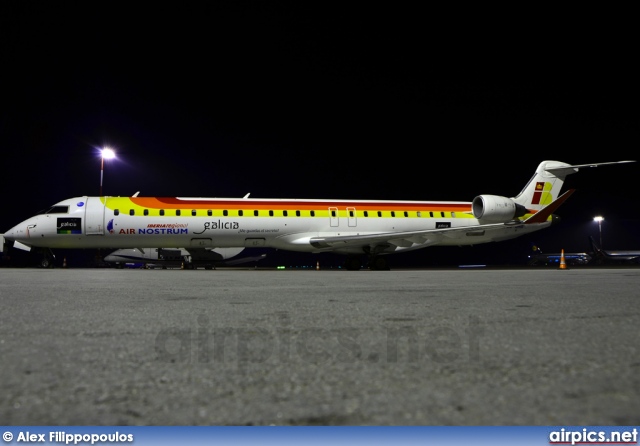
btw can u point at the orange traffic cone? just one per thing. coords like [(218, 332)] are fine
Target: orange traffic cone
[(318, 265), (563, 264)]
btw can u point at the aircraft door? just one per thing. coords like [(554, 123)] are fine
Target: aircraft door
[(94, 216), (333, 217), (351, 213)]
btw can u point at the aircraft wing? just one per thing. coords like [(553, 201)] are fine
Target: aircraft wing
[(241, 260), (421, 239), (410, 239)]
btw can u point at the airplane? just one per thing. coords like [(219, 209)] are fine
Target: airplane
[(553, 259), (354, 228), (600, 256), (162, 257)]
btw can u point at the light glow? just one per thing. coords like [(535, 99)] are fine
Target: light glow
[(108, 153)]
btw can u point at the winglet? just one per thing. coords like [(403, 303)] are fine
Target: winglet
[(544, 213)]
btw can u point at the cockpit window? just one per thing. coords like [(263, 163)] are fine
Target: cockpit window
[(55, 210)]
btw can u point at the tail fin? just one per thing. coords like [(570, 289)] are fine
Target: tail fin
[(542, 215), (596, 248), (545, 185)]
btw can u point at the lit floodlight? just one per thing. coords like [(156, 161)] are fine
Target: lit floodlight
[(108, 154)]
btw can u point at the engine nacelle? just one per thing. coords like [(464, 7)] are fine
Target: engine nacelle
[(496, 209)]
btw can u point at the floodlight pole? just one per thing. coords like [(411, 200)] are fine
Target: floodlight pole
[(101, 173), (600, 230), (104, 153), (599, 220)]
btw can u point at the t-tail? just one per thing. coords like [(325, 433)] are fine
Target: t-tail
[(596, 249), (545, 185)]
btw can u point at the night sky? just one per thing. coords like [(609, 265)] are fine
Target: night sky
[(319, 100)]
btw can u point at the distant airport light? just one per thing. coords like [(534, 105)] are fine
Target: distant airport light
[(106, 153), (599, 219)]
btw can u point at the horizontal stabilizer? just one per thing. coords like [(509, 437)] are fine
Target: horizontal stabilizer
[(244, 260), (564, 170)]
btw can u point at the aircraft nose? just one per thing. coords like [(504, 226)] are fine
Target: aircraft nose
[(10, 234), (21, 234)]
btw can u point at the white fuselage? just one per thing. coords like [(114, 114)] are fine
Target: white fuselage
[(120, 222)]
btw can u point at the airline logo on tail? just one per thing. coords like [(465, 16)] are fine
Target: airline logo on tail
[(542, 194)]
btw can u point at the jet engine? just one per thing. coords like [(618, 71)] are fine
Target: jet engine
[(496, 209)]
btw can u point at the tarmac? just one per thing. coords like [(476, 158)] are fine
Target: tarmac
[(245, 346)]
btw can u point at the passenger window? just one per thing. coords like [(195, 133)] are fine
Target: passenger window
[(270, 213), (442, 214), (225, 212), (312, 213), (132, 212), (284, 213), (116, 212), (240, 213), (297, 213), (393, 213), (453, 215), (366, 213), (161, 212), (177, 212), (255, 213), (418, 214), (193, 212), (146, 212), (210, 212), (379, 213)]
